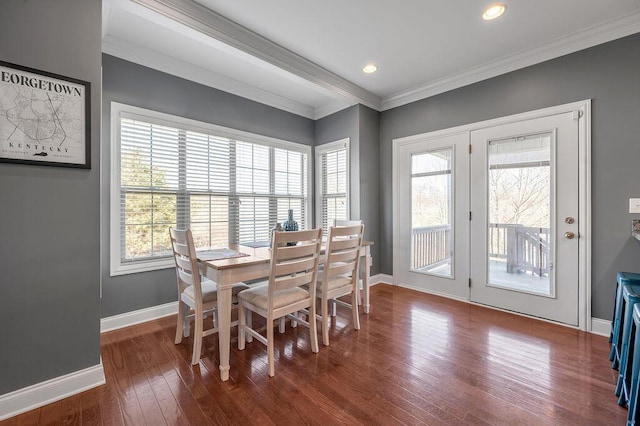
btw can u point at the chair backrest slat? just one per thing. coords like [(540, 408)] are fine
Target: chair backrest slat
[(342, 255), (294, 266), (288, 268), (339, 222), (290, 281), (345, 256), (298, 251), (184, 263), (341, 243), (340, 269), (296, 236), (180, 248), (184, 254)]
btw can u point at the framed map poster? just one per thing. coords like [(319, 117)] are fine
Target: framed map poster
[(44, 118)]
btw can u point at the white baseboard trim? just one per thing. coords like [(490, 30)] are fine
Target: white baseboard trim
[(52, 390), (435, 293), (136, 317), (600, 327), (380, 278), (127, 319)]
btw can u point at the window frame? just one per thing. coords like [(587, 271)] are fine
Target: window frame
[(319, 195), (119, 111)]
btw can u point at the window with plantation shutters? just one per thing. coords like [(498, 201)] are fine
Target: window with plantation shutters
[(227, 186), (332, 168)]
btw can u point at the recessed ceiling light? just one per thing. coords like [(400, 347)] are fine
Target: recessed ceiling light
[(494, 11), (369, 69)]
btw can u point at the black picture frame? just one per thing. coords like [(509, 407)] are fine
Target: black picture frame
[(45, 118)]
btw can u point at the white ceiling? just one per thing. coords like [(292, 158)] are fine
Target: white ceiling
[(307, 57)]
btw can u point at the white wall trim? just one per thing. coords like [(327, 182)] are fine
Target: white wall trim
[(127, 319), (179, 68), (380, 278), (435, 293), (331, 108), (241, 40), (238, 40), (136, 317), (585, 39), (600, 327), (39, 394)]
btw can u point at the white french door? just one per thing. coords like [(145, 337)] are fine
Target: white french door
[(433, 225), (525, 206), (496, 213)]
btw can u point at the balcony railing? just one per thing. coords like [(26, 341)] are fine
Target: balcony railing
[(524, 249), (431, 246)]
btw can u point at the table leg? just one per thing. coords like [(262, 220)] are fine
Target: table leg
[(365, 279), (224, 330)]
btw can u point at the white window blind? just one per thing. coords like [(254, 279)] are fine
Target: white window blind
[(332, 165), (226, 189)]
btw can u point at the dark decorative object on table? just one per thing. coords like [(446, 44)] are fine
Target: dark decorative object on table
[(290, 225), (277, 227)]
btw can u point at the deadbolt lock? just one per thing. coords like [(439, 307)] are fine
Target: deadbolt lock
[(569, 220)]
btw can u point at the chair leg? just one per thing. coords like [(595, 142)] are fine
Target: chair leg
[(334, 307), (281, 325), (633, 387), (181, 322), (242, 326), (313, 331), (294, 323), (249, 323), (272, 371), (197, 336), (324, 313), (354, 310)]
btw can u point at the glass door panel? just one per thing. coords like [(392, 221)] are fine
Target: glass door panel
[(431, 212), (519, 202)]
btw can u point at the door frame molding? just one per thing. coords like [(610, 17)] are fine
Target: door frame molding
[(583, 109)]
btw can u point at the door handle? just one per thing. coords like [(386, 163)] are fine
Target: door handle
[(569, 235)]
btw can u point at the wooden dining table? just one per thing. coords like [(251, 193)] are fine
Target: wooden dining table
[(255, 265)]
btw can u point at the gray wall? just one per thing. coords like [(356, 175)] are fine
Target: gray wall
[(340, 125), (132, 84), (50, 303), (370, 179), (610, 75), (361, 125)]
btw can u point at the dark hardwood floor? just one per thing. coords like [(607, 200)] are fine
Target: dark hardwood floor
[(418, 359)]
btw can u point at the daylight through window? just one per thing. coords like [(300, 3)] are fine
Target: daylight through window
[(226, 189)]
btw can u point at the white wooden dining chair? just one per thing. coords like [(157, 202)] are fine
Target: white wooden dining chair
[(197, 296), (339, 276), (341, 222), (292, 269)]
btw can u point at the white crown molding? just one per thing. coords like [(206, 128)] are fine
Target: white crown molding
[(106, 17), (170, 65), (198, 18), (204, 20), (590, 37), (40, 394), (331, 108)]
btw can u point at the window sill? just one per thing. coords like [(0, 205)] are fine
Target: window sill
[(142, 266)]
